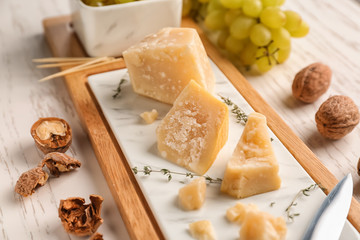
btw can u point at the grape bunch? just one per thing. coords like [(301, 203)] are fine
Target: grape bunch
[(252, 32), (99, 3)]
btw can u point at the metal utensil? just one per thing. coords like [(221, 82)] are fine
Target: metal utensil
[(330, 218)]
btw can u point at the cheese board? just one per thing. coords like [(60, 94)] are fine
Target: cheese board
[(135, 206)]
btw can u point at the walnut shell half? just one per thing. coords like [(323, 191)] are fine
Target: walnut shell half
[(337, 117), (59, 162), (80, 219), (311, 82), (29, 180), (52, 135)]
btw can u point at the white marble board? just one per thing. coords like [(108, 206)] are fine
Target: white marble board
[(138, 143)]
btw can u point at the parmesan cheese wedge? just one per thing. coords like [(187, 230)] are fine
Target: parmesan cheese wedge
[(194, 130), (162, 64), (253, 168)]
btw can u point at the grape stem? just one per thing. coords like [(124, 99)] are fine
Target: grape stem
[(269, 54)]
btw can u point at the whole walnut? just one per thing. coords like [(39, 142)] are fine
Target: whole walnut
[(337, 117), (311, 82)]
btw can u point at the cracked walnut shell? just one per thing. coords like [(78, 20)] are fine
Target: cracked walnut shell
[(29, 180), (59, 162), (81, 219), (52, 135), (311, 82), (337, 117)]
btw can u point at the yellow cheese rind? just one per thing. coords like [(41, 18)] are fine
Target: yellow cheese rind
[(162, 64), (194, 130), (202, 230), (192, 196), (253, 168)]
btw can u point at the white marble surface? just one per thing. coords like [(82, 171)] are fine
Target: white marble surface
[(138, 142)]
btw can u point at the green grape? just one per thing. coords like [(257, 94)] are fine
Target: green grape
[(223, 35), (281, 38), (302, 31), (293, 20), (265, 59), (260, 35), (241, 26), (252, 8), (231, 15), (186, 7), (272, 3), (283, 54), (232, 4), (273, 17), (215, 20), (234, 45), (214, 5), (248, 54)]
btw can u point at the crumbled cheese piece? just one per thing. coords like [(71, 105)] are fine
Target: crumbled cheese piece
[(170, 59), (192, 196), (149, 117), (202, 230), (253, 168), (194, 130)]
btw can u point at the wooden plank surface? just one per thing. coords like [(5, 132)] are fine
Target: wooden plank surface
[(130, 201)]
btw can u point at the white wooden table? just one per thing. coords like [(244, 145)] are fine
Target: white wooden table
[(334, 39)]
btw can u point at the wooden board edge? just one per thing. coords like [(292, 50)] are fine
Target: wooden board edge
[(307, 159), (136, 214)]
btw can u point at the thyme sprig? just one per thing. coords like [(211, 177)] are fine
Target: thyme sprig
[(118, 89), (306, 192), (147, 170), (240, 115)]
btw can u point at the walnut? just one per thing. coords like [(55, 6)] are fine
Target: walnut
[(52, 134), (97, 236), (358, 167), (59, 162), (337, 117), (80, 219), (311, 82), (29, 180)]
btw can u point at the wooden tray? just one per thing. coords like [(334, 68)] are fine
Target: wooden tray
[(131, 202)]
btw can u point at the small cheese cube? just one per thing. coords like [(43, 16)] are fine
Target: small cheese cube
[(202, 230), (192, 196), (194, 130), (258, 225), (162, 64), (253, 168), (149, 117)]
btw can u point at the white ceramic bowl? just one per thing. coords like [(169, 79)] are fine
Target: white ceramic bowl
[(109, 30)]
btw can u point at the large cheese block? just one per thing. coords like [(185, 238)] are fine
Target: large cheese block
[(194, 130), (192, 196), (162, 64), (255, 224), (253, 168)]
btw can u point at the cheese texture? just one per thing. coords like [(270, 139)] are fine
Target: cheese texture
[(253, 168), (194, 130), (255, 224), (202, 230), (162, 64), (192, 196)]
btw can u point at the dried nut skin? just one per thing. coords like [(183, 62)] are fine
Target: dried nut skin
[(81, 219), (52, 135), (358, 167), (59, 162), (311, 82), (97, 236), (29, 180), (337, 117)]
